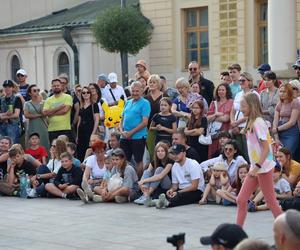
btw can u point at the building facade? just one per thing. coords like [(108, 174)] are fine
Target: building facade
[(216, 33)]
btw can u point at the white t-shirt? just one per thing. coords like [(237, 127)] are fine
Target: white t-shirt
[(97, 172), (54, 165), (282, 186), (118, 91), (183, 175), (237, 106)]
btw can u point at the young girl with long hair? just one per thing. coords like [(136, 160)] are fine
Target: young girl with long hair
[(261, 159), (164, 122), (196, 127), (229, 195), (156, 178)]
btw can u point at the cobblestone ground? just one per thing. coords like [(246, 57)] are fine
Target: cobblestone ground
[(61, 224)]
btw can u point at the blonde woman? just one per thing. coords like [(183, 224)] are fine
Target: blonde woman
[(261, 159)]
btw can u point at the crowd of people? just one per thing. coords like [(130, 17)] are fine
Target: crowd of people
[(237, 143)]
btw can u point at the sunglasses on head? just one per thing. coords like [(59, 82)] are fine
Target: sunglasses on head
[(192, 69)]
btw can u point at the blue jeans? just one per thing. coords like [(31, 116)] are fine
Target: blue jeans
[(290, 138), (165, 183), (40, 190), (11, 130)]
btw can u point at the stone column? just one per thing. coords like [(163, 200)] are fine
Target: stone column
[(282, 34)]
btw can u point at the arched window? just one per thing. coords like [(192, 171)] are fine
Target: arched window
[(63, 64), (15, 66)]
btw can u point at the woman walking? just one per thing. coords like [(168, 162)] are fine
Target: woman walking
[(261, 159)]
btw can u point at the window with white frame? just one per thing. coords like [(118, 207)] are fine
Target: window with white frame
[(63, 64)]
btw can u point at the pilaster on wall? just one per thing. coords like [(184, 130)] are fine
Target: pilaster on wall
[(298, 26), (161, 47)]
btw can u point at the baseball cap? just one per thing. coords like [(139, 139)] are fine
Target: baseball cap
[(227, 235), (8, 83), (22, 72), (263, 68), (297, 64), (112, 77), (176, 149), (102, 77)]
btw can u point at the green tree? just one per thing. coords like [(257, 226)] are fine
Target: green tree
[(123, 30)]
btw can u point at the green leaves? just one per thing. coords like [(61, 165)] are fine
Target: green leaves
[(122, 29)]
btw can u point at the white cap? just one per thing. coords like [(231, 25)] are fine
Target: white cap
[(22, 72), (112, 77)]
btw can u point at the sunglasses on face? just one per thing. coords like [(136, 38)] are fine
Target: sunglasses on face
[(294, 88), (85, 92), (242, 80), (20, 75), (192, 69), (53, 145), (228, 149), (35, 90)]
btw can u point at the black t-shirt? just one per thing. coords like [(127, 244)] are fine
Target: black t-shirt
[(166, 121), (192, 154), (72, 177), (23, 92), (25, 168)]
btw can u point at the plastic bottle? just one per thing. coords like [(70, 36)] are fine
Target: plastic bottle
[(23, 185), (28, 185)]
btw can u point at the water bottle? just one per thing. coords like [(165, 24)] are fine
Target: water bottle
[(28, 185), (23, 186)]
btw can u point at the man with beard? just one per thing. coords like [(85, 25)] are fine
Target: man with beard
[(58, 107)]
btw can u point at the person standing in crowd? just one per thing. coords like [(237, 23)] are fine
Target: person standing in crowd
[(234, 73), (262, 69), (197, 126), (36, 119), (285, 128), (238, 121), (142, 70), (102, 82), (269, 97), (296, 67), (133, 126), (58, 109), (261, 159), (206, 86), (10, 108), (286, 230), (96, 93), (113, 92), (77, 90), (5, 144), (225, 77), (23, 85), (67, 180), (219, 111), (188, 183), (88, 122)]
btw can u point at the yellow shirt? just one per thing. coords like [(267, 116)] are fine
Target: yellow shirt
[(59, 122), (295, 170)]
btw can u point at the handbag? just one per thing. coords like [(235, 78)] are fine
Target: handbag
[(182, 121), (205, 139), (114, 182)]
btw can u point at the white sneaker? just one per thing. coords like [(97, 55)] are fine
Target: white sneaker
[(141, 200), (32, 193), (121, 199), (86, 188), (162, 201), (82, 195), (97, 198)]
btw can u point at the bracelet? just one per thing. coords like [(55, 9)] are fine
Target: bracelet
[(257, 165)]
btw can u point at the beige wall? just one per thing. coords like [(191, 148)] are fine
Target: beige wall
[(14, 12)]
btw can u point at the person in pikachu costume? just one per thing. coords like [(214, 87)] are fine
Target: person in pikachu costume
[(113, 114)]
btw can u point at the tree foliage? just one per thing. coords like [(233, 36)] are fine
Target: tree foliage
[(122, 30)]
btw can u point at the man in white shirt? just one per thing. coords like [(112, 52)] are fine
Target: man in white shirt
[(113, 92), (187, 180)]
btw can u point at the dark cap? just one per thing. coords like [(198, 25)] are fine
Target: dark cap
[(34, 134), (8, 83), (263, 68), (297, 64), (176, 149), (227, 235)]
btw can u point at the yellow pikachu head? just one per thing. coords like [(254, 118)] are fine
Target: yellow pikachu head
[(113, 114)]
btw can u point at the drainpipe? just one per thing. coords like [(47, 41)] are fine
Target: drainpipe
[(66, 33)]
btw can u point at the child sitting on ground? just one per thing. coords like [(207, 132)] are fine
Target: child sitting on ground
[(218, 180), (229, 196), (109, 165), (71, 148), (36, 150), (282, 190)]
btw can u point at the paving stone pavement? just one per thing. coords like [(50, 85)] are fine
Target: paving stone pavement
[(62, 224)]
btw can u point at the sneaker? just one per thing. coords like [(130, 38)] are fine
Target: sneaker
[(72, 197), (141, 200), (121, 199), (162, 202), (82, 195), (251, 206), (149, 202), (86, 188), (32, 193), (97, 198)]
